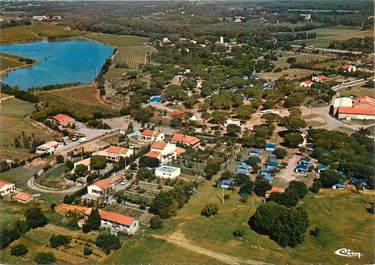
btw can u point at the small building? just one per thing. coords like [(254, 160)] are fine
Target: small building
[(272, 165), (151, 136), (364, 102), (301, 169), (342, 102), (23, 197), (270, 147), (319, 168), (49, 147), (243, 169), (115, 153), (167, 172), (227, 184), (116, 222), (102, 189), (274, 189), (356, 113), (64, 120), (86, 162), (349, 68), (305, 161), (165, 152), (265, 172), (319, 79), (339, 186), (307, 83), (185, 140), (6, 187), (156, 99), (255, 152), (65, 209)]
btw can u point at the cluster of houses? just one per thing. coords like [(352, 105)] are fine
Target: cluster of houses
[(317, 79), (362, 108)]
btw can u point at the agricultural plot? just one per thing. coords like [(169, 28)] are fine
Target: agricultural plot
[(8, 61), (131, 56), (13, 123), (289, 73), (117, 40), (35, 32), (81, 100), (37, 240), (115, 73)]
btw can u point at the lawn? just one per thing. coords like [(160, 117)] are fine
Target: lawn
[(289, 74), (324, 36), (53, 177), (117, 40), (357, 91), (81, 100), (35, 32), (13, 121), (10, 61)]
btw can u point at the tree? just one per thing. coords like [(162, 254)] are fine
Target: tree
[(69, 165), (59, 159), (212, 166), (81, 170), (21, 227), (97, 162), (316, 186), (280, 152), (146, 161), (210, 210), (56, 241), (286, 226), (218, 117), (239, 233), (108, 242), (93, 221), (261, 185), (156, 222), (293, 139), (233, 129), (244, 112), (87, 251), (164, 205), (247, 188), (35, 218), (19, 250), (5, 238), (329, 177), (293, 123), (45, 258)]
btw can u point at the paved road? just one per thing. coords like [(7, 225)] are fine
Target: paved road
[(31, 185), (327, 50)]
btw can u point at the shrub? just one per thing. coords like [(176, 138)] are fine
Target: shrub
[(156, 222), (35, 218), (239, 233), (45, 258), (87, 251), (108, 242), (59, 159), (280, 152), (210, 210), (19, 250), (59, 240), (315, 231)]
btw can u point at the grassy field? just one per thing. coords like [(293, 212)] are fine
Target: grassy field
[(133, 56), (53, 178), (13, 121), (289, 74), (324, 36), (35, 32), (117, 40), (10, 61), (300, 58), (357, 91), (82, 100)]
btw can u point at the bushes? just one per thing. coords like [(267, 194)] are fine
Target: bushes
[(296, 191), (108, 242), (19, 250), (93, 222), (35, 218), (145, 161), (87, 251), (329, 177), (45, 258), (280, 153), (261, 186), (59, 240), (156, 222), (286, 226), (210, 210), (239, 233)]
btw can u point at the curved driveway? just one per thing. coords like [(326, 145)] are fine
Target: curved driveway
[(32, 185)]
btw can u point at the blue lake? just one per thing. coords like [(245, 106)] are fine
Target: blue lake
[(59, 62)]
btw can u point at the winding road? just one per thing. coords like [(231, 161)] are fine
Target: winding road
[(32, 185)]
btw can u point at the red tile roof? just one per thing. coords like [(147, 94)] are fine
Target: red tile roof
[(116, 150), (106, 183), (275, 189), (4, 182), (116, 218), (180, 150), (63, 118), (150, 133), (159, 145), (358, 111), (364, 100), (23, 196), (153, 154), (64, 208), (186, 139)]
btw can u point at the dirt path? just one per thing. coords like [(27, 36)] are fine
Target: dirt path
[(179, 239)]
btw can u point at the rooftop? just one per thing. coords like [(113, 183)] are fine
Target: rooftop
[(63, 118), (4, 182), (116, 218), (23, 196), (167, 169), (356, 110)]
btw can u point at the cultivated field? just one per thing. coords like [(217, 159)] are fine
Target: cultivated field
[(82, 100), (117, 40), (132, 56), (115, 73), (12, 114), (324, 36), (35, 32), (10, 61), (289, 74)]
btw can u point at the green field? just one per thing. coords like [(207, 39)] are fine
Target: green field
[(357, 91), (326, 35), (117, 40), (35, 32), (53, 178), (10, 61), (13, 122), (80, 100)]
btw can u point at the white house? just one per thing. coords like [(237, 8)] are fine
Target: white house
[(151, 136), (342, 102), (6, 187), (307, 83), (102, 189), (167, 172), (115, 153), (349, 68), (118, 222), (319, 78), (49, 147), (165, 152)]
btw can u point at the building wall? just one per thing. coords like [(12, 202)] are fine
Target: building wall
[(7, 188), (356, 116)]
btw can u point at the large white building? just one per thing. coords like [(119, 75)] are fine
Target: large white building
[(49, 147), (167, 172), (151, 136), (6, 187), (165, 152), (102, 189), (118, 222)]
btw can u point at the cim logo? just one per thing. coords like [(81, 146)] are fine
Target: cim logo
[(345, 252)]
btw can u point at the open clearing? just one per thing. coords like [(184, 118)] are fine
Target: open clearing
[(357, 91), (326, 35), (117, 40), (8, 61), (12, 114), (81, 100), (36, 32), (289, 74)]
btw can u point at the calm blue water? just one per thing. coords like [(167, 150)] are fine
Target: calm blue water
[(59, 62)]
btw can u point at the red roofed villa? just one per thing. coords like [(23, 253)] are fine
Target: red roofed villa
[(118, 222), (23, 197), (151, 136), (6, 187), (319, 79), (115, 153), (64, 120), (185, 140)]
